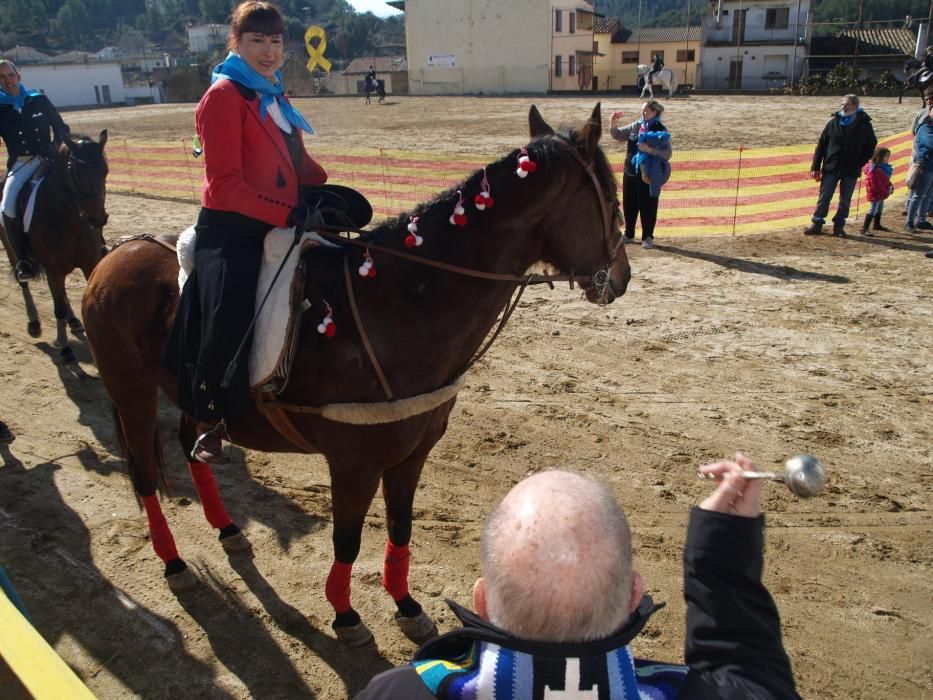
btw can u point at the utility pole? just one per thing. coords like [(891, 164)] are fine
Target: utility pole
[(858, 34), (687, 40)]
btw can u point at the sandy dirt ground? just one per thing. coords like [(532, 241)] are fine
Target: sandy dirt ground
[(772, 344)]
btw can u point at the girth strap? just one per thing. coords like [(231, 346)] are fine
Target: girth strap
[(279, 420)]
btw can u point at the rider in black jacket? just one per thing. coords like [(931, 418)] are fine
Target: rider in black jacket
[(31, 129)]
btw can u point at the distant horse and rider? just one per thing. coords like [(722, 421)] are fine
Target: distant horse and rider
[(919, 74), (375, 396), (663, 78), (373, 85)]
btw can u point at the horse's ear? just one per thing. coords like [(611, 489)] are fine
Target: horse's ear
[(592, 130), (536, 124), (102, 140)]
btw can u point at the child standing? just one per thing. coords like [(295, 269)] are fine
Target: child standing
[(878, 185)]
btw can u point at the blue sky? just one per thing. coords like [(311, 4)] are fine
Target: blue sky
[(377, 7)]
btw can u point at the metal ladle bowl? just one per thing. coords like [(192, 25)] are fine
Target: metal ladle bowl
[(804, 475)]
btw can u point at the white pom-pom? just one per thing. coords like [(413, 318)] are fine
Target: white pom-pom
[(321, 327), (481, 207), (364, 270), (452, 222), (418, 240), (413, 227), (459, 209), (523, 159), (521, 173)]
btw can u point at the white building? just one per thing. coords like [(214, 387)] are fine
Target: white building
[(204, 38), (460, 47), (753, 44), (77, 85)]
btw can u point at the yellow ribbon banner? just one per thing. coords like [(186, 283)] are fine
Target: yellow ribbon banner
[(317, 53)]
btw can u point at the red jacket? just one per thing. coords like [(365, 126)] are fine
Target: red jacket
[(247, 166), (877, 183)]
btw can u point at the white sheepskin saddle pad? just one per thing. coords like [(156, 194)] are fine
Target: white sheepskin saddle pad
[(272, 325)]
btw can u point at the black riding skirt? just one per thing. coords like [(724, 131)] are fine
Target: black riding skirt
[(214, 315)]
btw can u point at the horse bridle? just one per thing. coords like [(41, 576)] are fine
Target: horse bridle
[(76, 196), (334, 233), (599, 279)]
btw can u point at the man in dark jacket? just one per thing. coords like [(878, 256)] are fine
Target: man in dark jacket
[(845, 146), (32, 130), (559, 603)]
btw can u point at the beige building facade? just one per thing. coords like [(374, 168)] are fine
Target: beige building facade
[(492, 47), (620, 51)]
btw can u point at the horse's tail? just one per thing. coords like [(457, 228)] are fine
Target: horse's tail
[(129, 462)]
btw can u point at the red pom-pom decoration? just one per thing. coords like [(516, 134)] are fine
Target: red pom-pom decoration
[(413, 240), (525, 164), (327, 327), (368, 268), (458, 218), (483, 200)]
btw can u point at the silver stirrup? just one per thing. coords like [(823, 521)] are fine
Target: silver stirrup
[(221, 425)]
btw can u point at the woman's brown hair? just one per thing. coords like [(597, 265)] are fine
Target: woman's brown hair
[(254, 16)]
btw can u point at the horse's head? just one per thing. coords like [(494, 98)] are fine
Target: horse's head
[(86, 168), (581, 235), (642, 69)]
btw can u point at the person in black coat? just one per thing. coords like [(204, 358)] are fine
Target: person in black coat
[(32, 129), (845, 146), (559, 603)]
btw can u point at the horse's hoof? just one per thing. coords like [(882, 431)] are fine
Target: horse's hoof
[(357, 635), (179, 576), (34, 328), (235, 543), (68, 355), (418, 629), (75, 325)]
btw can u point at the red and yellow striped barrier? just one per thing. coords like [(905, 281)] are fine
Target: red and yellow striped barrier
[(713, 192)]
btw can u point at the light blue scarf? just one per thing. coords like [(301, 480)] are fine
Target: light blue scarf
[(235, 68), (846, 120), (18, 100)]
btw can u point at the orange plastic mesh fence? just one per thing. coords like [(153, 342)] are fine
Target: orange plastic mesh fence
[(710, 192)]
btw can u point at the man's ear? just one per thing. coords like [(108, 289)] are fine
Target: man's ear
[(479, 598), (638, 591)]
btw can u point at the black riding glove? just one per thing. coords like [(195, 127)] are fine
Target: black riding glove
[(48, 151), (304, 217)]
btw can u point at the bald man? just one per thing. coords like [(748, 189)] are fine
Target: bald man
[(559, 603)]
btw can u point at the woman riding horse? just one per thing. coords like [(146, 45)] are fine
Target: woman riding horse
[(255, 162), (446, 271), (26, 119)]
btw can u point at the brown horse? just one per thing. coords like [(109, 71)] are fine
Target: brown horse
[(67, 229), (423, 319)]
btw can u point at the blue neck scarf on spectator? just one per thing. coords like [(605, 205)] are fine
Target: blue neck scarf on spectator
[(235, 68), (17, 101), (844, 120)]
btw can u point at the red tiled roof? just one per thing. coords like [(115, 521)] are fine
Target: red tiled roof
[(382, 64), (660, 35)]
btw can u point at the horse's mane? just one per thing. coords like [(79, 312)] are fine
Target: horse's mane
[(544, 150)]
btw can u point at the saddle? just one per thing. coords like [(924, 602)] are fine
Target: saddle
[(276, 328), (26, 198)]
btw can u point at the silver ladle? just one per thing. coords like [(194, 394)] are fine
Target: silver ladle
[(803, 474)]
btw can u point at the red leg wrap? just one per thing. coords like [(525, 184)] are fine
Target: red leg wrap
[(395, 571), (337, 589), (210, 498), (162, 541)]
